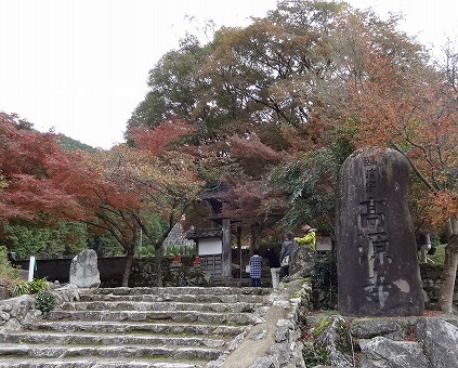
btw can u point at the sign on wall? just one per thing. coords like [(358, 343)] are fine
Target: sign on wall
[(210, 246)]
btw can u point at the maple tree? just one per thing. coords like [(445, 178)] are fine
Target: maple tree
[(37, 197), (119, 191), (150, 179), (35, 172), (246, 200)]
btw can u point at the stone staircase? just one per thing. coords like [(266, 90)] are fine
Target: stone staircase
[(137, 327)]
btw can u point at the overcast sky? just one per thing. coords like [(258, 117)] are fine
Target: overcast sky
[(80, 66)]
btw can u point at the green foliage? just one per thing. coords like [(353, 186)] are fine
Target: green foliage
[(317, 353), (70, 144), (31, 287), (345, 342), (325, 275), (340, 142), (439, 256), (314, 355), (38, 285), (180, 249), (309, 184), (106, 245), (323, 324), (20, 289), (9, 276), (45, 301), (173, 250), (145, 250), (325, 271), (174, 85), (64, 240), (6, 269)]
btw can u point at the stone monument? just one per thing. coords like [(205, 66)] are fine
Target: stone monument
[(378, 270), (84, 272)]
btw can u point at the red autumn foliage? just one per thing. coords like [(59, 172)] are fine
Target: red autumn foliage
[(156, 141)]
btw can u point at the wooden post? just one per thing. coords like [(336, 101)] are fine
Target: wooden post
[(227, 255), (239, 248)]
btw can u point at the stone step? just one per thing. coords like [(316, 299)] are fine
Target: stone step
[(118, 362), (240, 307), (81, 351), (184, 298), (153, 316), (137, 327), (216, 292), (140, 327), (60, 338)]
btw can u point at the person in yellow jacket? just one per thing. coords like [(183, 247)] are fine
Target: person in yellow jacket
[(309, 237)]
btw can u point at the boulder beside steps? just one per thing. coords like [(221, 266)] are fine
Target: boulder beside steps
[(137, 327)]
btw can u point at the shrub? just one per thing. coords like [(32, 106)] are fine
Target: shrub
[(325, 273), (6, 269), (39, 285), (314, 355), (45, 301), (21, 288), (325, 278), (9, 276), (182, 249), (31, 287)]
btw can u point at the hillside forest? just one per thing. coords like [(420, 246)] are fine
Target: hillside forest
[(271, 110)]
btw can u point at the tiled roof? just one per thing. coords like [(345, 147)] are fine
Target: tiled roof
[(214, 190), (205, 233)]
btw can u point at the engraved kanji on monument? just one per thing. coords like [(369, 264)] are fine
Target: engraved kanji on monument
[(378, 270)]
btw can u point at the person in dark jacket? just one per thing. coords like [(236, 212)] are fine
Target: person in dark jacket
[(274, 264), (288, 248)]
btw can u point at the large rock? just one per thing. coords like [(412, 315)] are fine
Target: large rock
[(384, 353), (84, 271), (302, 263), (377, 265), (390, 328), (439, 339), (335, 338)]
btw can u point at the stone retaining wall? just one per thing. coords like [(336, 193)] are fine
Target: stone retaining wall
[(288, 347), (287, 351), (431, 279), (20, 311), (326, 298)]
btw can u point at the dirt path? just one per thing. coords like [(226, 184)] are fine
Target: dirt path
[(249, 350)]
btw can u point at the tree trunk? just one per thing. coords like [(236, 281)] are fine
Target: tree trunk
[(450, 267), (128, 268), (158, 265), (254, 232)]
